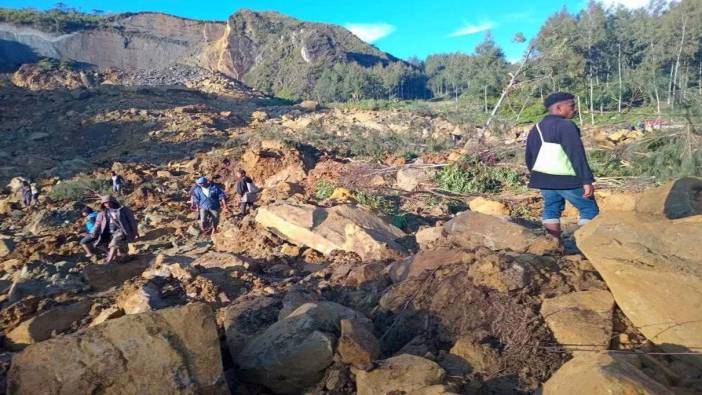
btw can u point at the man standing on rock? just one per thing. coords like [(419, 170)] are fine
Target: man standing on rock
[(556, 158), (208, 198), (118, 222)]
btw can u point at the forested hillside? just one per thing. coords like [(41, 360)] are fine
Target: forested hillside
[(612, 58)]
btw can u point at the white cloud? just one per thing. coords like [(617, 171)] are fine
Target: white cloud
[(472, 29), (370, 32), (626, 3)]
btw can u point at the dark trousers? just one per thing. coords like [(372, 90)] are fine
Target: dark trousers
[(245, 207)]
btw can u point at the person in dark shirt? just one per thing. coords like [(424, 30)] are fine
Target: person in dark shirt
[(569, 178), (247, 190)]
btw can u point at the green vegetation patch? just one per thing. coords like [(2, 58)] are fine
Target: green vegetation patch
[(472, 175), (59, 20), (79, 189)]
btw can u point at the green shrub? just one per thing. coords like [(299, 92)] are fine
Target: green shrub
[(471, 175), (385, 204), (324, 189), (79, 189)]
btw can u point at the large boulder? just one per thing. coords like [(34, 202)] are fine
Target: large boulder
[(580, 321), (344, 227), (652, 266), (676, 199), (174, 351), (40, 328), (245, 318), (292, 354), (472, 230), (602, 373), (401, 374)]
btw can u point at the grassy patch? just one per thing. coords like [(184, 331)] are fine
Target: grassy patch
[(79, 189), (472, 175), (324, 189)]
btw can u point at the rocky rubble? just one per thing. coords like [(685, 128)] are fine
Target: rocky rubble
[(325, 294)]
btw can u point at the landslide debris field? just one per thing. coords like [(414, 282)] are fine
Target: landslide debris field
[(383, 256)]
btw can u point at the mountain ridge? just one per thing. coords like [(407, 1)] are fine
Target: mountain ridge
[(270, 51)]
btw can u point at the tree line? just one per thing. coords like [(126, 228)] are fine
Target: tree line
[(612, 59)]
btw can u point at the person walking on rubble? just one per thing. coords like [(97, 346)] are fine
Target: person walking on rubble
[(26, 194), (35, 193), (247, 190), (117, 222), (209, 199), (558, 166), (90, 218), (117, 183)]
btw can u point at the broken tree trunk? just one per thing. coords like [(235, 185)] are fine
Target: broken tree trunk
[(513, 80)]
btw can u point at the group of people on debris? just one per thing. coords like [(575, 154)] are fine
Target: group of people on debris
[(114, 224), (555, 157)]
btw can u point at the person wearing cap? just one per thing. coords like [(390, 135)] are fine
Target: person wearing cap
[(117, 222), (558, 166), (208, 199)]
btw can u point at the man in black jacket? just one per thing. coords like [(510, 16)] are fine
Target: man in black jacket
[(575, 183), (244, 184)]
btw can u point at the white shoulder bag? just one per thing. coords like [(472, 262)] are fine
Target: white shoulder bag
[(552, 159)]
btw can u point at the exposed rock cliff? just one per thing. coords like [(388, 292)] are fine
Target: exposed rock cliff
[(267, 50)]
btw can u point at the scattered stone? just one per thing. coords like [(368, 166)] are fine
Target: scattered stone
[(104, 277), (357, 344), (140, 299), (545, 244), (43, 279), (41, 327), (6, 246), (469, 355), (602, 373), (489, 207), (580, 321), (290, 250), (428, 236), (471, 230), (410, 178), (344, 227), (426, 261), (403, 373), (309, 105), (107, 314), (175, 351), (221, 260), (342, 195), (292, 354), (245, 318)]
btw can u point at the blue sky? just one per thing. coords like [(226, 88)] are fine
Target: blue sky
[(403, 28)]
